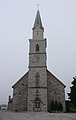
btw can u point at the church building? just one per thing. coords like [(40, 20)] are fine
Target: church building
[(38, 88)]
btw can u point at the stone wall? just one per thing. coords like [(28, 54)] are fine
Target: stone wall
[(55, 90), (38, 33), (42, 45), (42, 80), (42, 88), (20, 92)]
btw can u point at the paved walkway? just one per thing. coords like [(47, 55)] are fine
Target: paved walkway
[(6, 115)]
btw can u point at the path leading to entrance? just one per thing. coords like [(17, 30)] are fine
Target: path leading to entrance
[(5, 115)]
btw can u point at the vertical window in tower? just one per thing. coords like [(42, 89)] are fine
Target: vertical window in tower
[(37, 48), (37, 77), (37, 33)]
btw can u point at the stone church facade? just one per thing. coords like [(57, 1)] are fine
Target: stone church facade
[(38, 87)]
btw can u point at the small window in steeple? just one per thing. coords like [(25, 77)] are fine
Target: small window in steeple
[(37, 48), (37, 78)]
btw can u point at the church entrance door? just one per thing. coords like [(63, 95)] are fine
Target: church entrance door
[(37, 105)]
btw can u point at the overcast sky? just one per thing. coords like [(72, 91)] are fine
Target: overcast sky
[(16, 22)]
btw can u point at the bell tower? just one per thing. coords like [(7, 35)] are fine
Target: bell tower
[(37, 77)]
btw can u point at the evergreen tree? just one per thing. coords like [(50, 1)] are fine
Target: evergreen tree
[(60, 107), (56, 105), (72, 94), (52, 105)]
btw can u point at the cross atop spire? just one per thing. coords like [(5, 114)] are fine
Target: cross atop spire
[(38, 21), (38, 6)]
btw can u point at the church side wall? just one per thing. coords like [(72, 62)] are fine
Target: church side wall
[(55, 91), (20, 95)]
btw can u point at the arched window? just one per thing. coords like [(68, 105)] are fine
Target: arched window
[(37, 48), (37, 78)]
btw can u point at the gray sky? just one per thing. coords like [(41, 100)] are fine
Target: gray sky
[(16, 22)]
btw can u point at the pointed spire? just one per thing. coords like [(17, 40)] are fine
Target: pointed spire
[(38, 21)]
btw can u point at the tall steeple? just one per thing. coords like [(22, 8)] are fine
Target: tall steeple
[(38, 28), (37, 76), (38, 22)]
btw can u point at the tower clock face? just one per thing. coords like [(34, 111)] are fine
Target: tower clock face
[(37, 58)]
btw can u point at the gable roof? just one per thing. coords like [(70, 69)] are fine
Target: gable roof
[(55, 77), (25, 75)]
